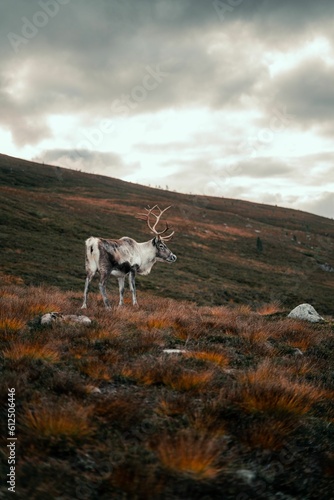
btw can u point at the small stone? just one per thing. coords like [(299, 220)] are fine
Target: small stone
[(305, 312), (49, 318), (174, 351), (246, 475), (73, 318), (92, 389), (52, 317)]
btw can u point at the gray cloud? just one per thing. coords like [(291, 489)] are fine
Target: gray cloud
[(99, 51), (308, 93), (108, 164), (260, 168)]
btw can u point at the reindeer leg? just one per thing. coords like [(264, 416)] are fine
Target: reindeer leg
[(121, 290), (89, 278), (102, 287), (132, 284)]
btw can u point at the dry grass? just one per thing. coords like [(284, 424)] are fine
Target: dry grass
[(173, 405), (268, 433), (300, 367), (23, 303), (189, 454), (169, 373), (215, 357), (296, 333), (158, 323), (253, 333), (162, 421), (95, 369), (208, 420), (104, 333), (71, 421), (36, 309), (25, 350), (189, 380), (266, 389), (11, 325), (120, 410), (271, 308)]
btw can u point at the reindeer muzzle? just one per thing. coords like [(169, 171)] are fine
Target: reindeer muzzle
[(171, 258)]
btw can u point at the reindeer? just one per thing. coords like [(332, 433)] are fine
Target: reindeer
[(127, 257)]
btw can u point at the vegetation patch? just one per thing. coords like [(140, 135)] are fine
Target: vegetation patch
[(117, 417)]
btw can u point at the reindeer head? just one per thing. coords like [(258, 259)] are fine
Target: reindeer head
[(162, 251)]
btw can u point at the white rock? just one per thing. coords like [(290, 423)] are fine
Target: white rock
[(91, 389), (246, 475), (73, 318), (174, 351), (305, 312), (49, 318)]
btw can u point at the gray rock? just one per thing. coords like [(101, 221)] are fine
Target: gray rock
[(91, 389), (305, 312), (174, 351), (74, 318), (49, 318), (246, 475), (326, 267)]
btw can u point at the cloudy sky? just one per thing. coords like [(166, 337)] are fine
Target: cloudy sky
[(229, 98)]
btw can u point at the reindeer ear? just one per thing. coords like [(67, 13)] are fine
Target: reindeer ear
[(156, 240)]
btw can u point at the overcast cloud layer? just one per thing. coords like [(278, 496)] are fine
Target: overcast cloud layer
[(230, 98)]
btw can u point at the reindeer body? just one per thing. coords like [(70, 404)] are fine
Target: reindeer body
[(120, 258)]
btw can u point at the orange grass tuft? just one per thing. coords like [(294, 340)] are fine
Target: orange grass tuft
[(266, 389), (211, 356), (242, 310), (270, 433), (56, 421), (158, 323), (35, 309), (95, 369), (103, 334), (11, 325), (271, 308), (167, 374), (21, 350), (190, 454), (302, 343), (254, 335), (188, 380)]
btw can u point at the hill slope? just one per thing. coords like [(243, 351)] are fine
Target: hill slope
[(47, 212), (240, 406)]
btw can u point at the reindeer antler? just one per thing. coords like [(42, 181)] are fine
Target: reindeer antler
[(150, 212)]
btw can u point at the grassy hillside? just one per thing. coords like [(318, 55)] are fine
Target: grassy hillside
[(102, 412), (244, 408), (47, 212)]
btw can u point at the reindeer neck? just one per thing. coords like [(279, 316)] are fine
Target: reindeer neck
[(148, 256)]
